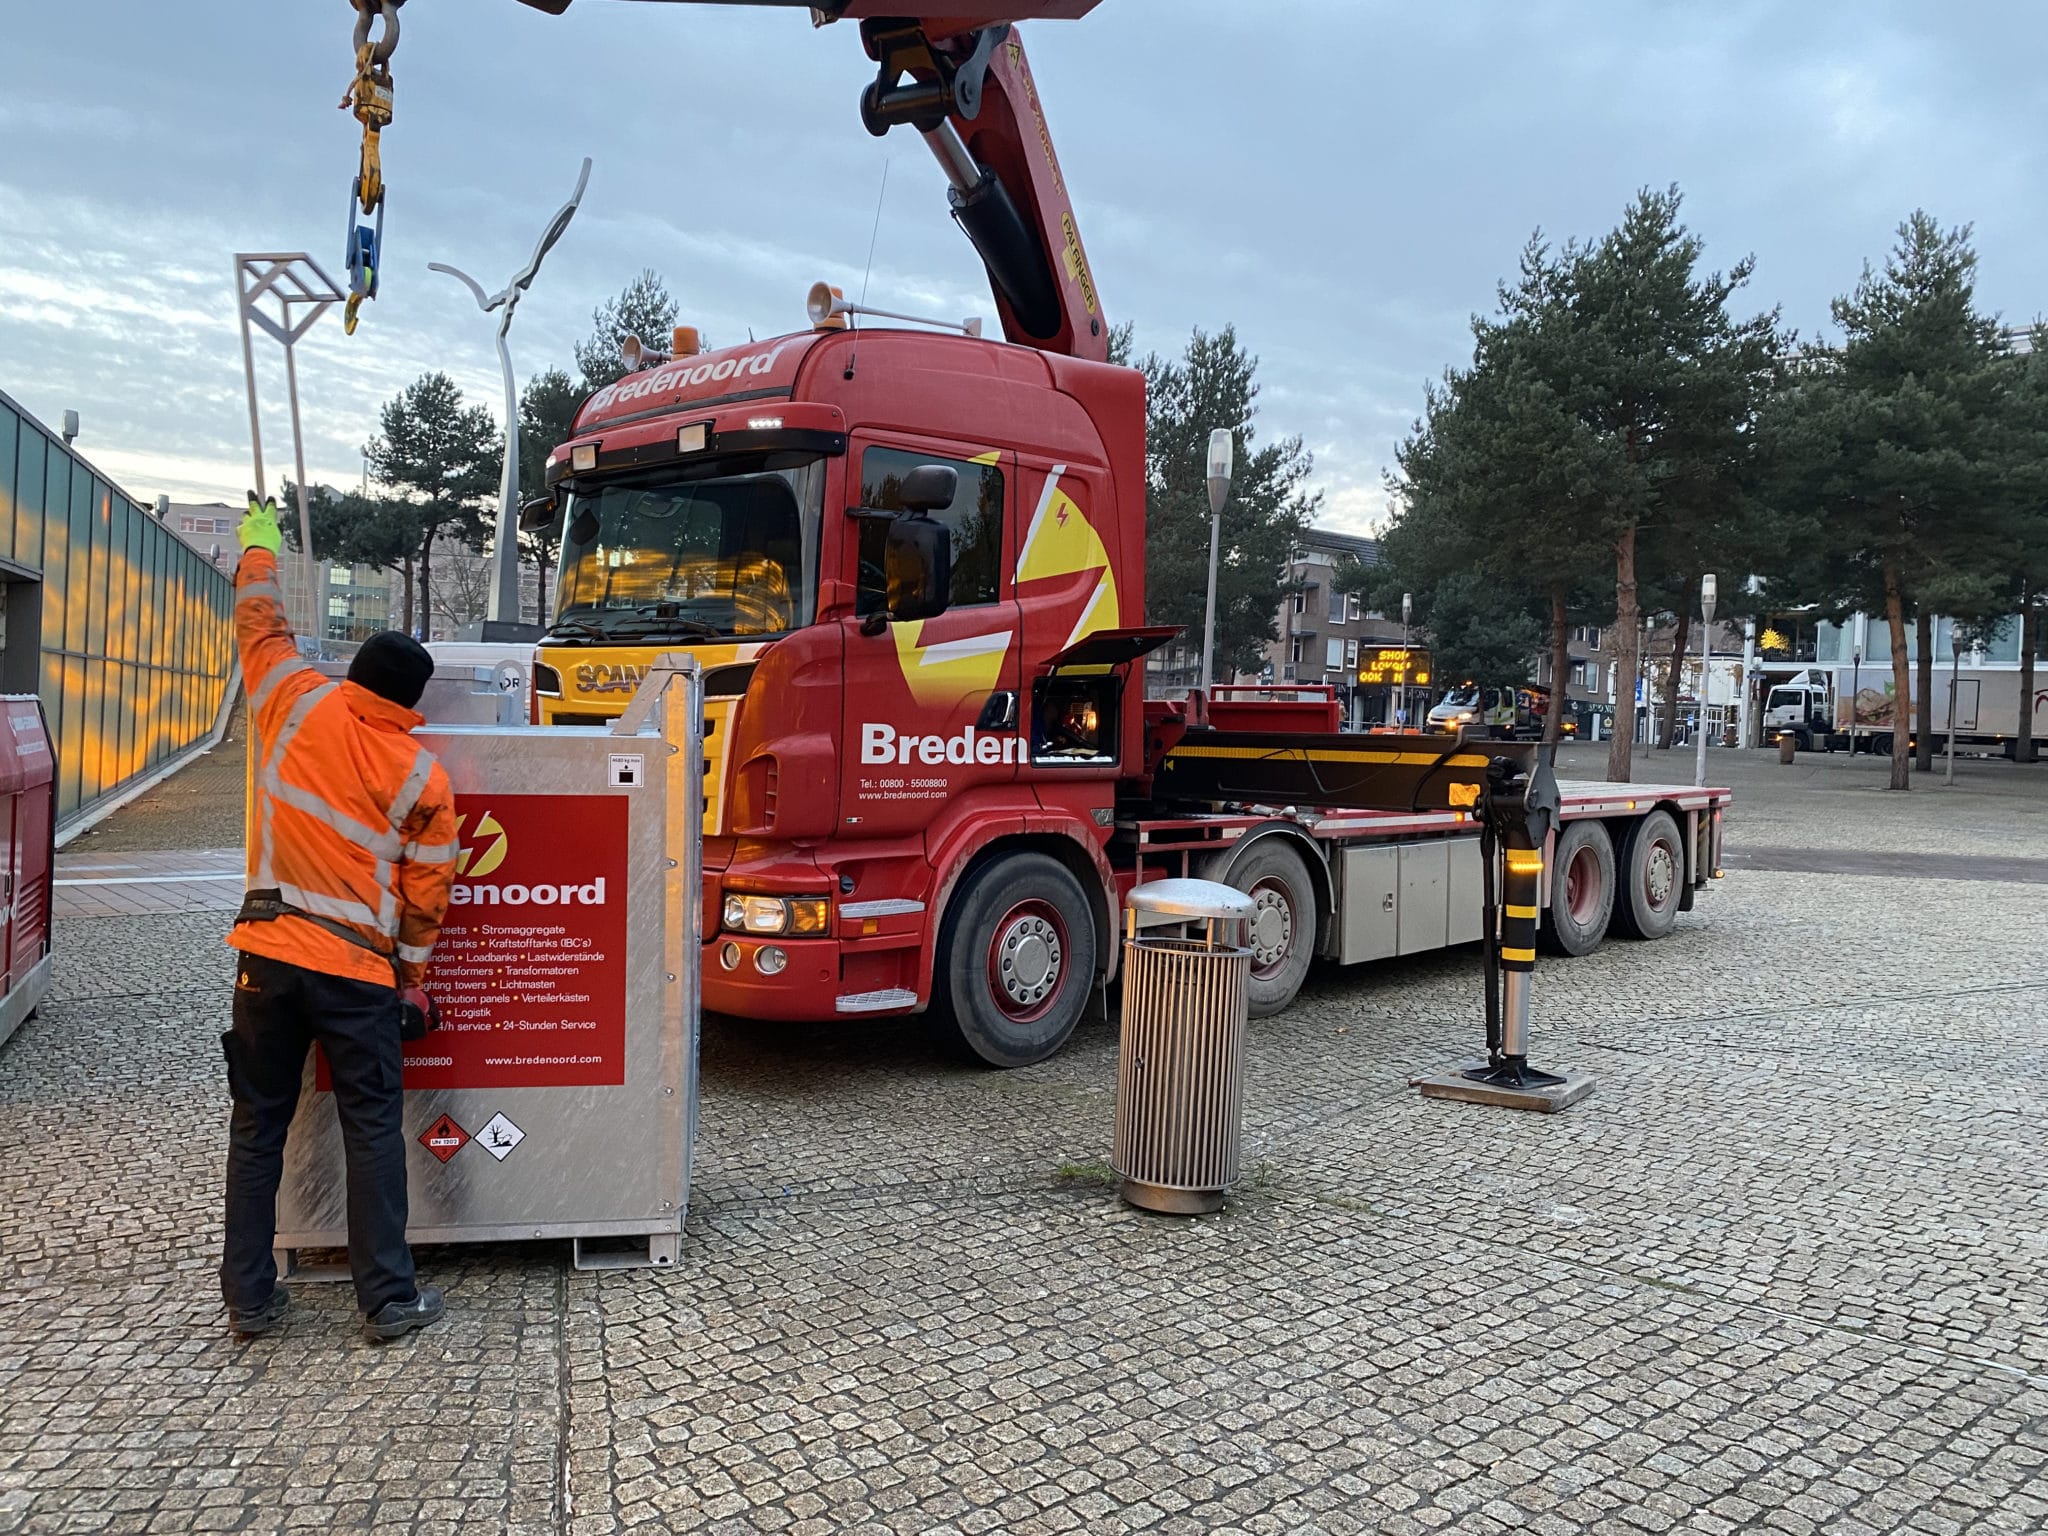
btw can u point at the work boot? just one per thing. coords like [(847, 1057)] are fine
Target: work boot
[(395, 1319), (258, 1320)]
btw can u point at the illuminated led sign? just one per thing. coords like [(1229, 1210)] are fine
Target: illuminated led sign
[(1397, 665)]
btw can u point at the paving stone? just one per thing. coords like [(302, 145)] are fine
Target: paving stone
[(1785, 1270)]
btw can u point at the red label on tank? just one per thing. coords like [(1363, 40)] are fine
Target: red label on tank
[(530, 970)]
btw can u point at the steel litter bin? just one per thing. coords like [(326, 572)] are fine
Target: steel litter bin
[(1180, 1064)]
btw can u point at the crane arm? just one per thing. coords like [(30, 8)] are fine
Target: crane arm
[(961, 80), (958, 78)]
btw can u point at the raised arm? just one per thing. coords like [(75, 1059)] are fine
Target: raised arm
[(272, 671)]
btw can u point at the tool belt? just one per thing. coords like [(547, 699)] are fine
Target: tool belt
[(269, 906)]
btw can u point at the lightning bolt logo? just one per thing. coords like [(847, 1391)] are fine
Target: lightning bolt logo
[(471, 864), (1062, 543)]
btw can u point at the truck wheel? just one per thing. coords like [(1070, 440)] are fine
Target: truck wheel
[(1015, 961), (1581, 890), (1652, 873), (1283, 932)]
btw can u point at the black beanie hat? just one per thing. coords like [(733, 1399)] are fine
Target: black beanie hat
[(393, 666)]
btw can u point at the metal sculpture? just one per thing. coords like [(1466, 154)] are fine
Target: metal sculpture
[(302, 292), (504, 603)]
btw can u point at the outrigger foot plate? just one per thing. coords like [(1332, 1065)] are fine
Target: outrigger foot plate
[(1508, 1087)]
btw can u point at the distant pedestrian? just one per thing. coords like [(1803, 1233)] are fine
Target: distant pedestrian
[(349, 872)]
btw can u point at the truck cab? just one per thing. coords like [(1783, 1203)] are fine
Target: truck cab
[(890, 551), (1503, 713), (1799, 710)]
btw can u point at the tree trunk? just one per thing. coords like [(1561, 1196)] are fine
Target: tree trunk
[(540, 566), (1560, 663), (1680, 637), (1628, 658), (2030, 634), (1902, 677), (1923, 706), (405, 570)]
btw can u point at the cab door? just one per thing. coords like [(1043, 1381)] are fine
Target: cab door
[(931, 707)]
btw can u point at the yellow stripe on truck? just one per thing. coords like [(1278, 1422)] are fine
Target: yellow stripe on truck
[(1299, 754)]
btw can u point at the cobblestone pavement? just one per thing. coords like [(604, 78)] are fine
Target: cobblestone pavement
[(1786, 1270), (102, 883)]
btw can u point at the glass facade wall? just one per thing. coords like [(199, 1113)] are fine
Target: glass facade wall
[(123, 629), (1996, 645)]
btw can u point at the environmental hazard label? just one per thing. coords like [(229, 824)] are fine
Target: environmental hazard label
[(444, 1138), (499, 1136)]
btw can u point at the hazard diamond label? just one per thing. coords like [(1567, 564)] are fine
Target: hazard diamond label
[(499, 1136), (444, 1138)]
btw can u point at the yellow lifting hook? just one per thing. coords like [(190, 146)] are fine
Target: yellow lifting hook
[(369, 94)]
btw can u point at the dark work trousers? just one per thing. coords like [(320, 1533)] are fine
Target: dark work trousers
[(280, 1010)]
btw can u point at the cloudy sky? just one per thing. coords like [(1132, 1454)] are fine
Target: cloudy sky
[(1345, 180)]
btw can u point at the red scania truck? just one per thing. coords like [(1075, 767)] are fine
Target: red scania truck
[(912, 566)]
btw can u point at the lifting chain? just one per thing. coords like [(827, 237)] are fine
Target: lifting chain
[(369, 96)]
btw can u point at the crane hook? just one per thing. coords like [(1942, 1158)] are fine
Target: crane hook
[(370, 96), (368, 11)]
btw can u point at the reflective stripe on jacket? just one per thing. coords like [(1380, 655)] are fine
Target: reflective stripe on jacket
[(354, 820)]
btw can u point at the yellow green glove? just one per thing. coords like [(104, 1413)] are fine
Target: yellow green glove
[(259, 525)]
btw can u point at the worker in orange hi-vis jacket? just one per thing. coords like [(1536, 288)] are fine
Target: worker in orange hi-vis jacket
[(350, 864)]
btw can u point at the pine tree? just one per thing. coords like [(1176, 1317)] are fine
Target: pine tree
[(1891, 439), (2022, 503), (440, 459), (547, 419), (1214, 384), (1642, 350), (643, 309)]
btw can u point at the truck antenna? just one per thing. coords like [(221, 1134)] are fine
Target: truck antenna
[(875, 233)]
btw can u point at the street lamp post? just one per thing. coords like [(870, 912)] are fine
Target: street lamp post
[(1407, 613), (1860, 629), (1955, 667), (504, 602), (1699, 772), (1221, 452)]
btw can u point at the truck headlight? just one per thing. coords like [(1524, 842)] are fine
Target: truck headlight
[(809, 916)]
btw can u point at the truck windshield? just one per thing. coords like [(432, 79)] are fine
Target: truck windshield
[(728, 548), (1462, 698)]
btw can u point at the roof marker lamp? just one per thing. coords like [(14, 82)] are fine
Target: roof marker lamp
[(694, 438), (583, 458)]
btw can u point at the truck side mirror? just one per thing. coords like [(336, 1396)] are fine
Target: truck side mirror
[(536, 512), (917, 560), (929, 487)]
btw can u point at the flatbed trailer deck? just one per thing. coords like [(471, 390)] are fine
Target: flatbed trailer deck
[(1353, 886)]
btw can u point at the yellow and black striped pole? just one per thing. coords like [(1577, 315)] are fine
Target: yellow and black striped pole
[(1519, 810), (1521, 894)]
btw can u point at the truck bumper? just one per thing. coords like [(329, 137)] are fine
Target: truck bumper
[(822, 979)]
